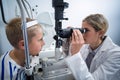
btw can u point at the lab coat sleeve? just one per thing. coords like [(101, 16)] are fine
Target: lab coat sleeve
[(78, 67)]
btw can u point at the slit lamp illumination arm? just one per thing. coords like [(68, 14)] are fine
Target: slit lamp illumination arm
[(59, 6)]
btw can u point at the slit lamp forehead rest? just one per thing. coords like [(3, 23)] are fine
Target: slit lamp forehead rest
[(31, 23)]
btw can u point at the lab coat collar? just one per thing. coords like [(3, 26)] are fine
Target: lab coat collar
[(107, 44)]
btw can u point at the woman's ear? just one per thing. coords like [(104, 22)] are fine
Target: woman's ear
[(21, 44), (101, 33)]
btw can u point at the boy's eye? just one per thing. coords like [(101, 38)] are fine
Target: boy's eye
[(40, 39)]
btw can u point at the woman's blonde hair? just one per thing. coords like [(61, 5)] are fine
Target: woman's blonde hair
[(97, 21)]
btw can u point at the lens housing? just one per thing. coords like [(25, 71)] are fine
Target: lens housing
[(66, 33)]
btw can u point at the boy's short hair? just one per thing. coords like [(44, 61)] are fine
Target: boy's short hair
[(14, 31)]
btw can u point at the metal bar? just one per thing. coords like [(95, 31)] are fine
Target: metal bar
[(24, 29)]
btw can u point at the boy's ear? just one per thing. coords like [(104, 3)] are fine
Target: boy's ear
[(21, 44)]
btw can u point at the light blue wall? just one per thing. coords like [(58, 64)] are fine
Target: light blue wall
[(10, 7), (77, 10)]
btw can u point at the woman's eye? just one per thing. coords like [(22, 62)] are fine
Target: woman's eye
[(86, 30)]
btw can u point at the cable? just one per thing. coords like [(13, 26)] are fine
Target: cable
[(2, 12)]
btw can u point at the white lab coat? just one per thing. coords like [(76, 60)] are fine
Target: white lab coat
[(104, 66)]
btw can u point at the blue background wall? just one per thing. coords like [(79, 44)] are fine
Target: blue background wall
[(77, 10)]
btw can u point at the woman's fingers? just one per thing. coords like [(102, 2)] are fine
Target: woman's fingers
[(77, 41)]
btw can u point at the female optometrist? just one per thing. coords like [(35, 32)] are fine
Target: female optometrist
[(105, 62)]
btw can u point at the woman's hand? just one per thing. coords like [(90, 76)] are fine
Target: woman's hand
[(77, 41)]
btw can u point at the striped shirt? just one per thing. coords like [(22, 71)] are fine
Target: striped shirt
[(9, 69)]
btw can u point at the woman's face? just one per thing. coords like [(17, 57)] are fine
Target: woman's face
[(91, 36)]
